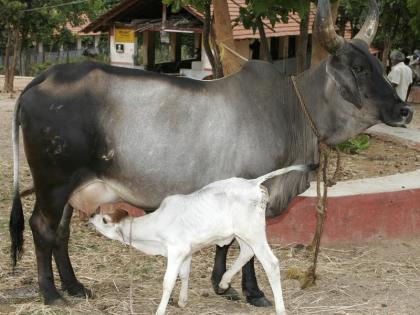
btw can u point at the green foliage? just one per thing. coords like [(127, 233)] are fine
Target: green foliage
[(399, 21), (275, 11), (355, 145), (38, 68), (176, 5), (414, 8)]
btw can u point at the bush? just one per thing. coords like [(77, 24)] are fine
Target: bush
[(38, 68), (355, 145)]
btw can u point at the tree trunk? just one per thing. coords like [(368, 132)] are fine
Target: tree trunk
[(385, 53), (12, 67), (215, 65), (264, 48), (224, 36), (318, 52), (6, 59), (302, 43)]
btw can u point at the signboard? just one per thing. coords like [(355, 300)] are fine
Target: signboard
[(124, 35), (119, 48)]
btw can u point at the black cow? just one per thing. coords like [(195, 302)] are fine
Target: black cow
[(94, 134)]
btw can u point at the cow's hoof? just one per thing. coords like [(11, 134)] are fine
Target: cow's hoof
[(261, 301), (79, 291), (230, 293)]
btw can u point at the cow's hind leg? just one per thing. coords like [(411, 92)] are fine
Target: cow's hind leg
[(219, 269), (69, 281), (250, 289), (43, 232)]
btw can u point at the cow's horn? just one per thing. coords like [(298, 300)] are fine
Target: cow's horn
[(368, 30), (324, 27)]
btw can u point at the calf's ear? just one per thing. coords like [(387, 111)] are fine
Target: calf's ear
[(346, 81), (118, 215)]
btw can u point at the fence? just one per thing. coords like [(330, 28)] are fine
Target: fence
[(31, 62)]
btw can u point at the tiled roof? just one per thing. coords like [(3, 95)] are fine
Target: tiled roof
[(239, 32), (280, 29)]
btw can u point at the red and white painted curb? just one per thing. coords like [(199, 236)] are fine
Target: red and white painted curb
[(357, 211)]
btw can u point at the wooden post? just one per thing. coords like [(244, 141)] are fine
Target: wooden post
[(175, 44), (79, 43), (284, 47)]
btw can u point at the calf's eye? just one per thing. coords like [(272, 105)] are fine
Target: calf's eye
[(104, 221)]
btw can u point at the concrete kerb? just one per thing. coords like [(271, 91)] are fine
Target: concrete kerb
[(358, 210)]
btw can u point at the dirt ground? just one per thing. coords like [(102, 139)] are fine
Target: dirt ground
[(381, 277)]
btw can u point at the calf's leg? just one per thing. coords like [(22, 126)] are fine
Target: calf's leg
[(184, 274), (245, 255), (69, 281), (175, 260), (271, 266)]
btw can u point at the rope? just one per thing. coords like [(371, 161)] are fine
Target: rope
[(233, 52), (130, 253), (324, 152), (304, 109)]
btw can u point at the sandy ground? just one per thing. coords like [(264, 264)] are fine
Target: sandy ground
[(382, 277)]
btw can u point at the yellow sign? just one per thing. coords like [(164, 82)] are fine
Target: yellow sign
[(124, 35)]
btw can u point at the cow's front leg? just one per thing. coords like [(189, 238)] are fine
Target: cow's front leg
[(250, 287), (69, 281), (44, 236), (219, 269)]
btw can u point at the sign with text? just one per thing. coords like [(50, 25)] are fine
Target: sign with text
[(124, 35), (119, 48)]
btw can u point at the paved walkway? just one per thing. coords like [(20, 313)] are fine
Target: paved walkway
[(393, 183), (409, 136)]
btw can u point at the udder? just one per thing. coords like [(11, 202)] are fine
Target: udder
[(91, 195)]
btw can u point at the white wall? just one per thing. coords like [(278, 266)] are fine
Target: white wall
[(124, 59)]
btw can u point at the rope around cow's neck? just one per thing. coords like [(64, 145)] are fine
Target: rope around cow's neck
[(131, 268), (324, 152)]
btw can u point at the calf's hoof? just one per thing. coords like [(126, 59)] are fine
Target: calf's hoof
[(261, 301), (182, 303)]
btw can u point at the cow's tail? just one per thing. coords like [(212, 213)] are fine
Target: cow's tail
[(17, 221), (302, 168)]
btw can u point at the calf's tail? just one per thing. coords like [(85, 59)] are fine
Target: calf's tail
[(302, 168), (17, 221)]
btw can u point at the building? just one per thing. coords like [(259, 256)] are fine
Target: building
[(147, 34)]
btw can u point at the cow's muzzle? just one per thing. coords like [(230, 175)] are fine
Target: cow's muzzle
[(406, 114), (402, 114)]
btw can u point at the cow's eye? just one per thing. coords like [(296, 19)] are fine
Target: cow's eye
[(357, 68), (104, 221)]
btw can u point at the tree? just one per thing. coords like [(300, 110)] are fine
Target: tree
[(27, 21), (414, 8), (398, 26)]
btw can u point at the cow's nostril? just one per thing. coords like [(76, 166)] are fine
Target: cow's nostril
[(404, 112)]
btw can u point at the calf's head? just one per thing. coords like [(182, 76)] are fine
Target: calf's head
[(356, 78), (110, 225)]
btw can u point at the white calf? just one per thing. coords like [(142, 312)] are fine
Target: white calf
[(215, 214)]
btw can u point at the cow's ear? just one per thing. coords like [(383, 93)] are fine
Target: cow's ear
[(345, 80)]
